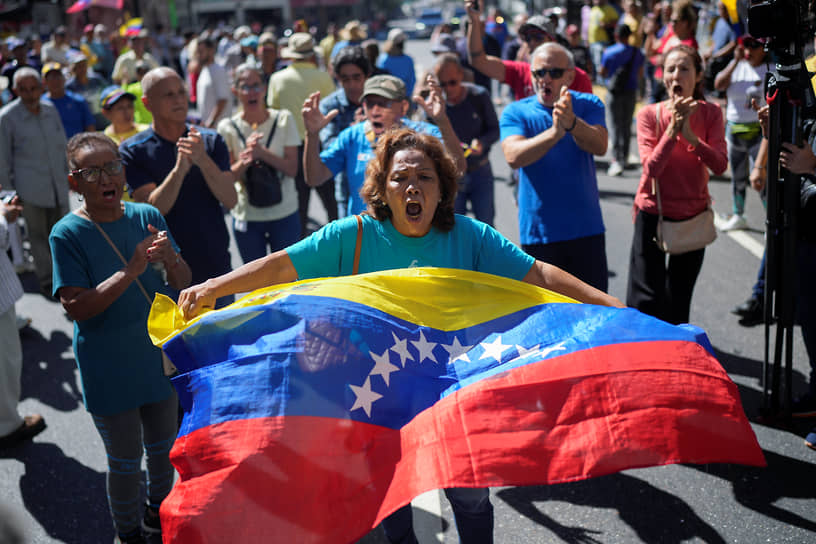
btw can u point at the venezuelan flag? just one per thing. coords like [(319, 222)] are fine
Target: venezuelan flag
[(132, 27), (315, 409)]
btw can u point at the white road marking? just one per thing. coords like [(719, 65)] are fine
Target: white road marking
[(744, 239), (431, 531)]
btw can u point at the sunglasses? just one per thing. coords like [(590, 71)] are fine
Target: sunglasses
[(752, 44), (93, 174), (256, 88), (371, 101), (555, 73), (536, 35)]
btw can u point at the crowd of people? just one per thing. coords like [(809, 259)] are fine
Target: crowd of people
[(158, 144)]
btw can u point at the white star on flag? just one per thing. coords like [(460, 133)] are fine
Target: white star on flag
[(365, 397), (400, 347), (382, 366), (425, 348), (457, 351), (494, 349), (524, 352)]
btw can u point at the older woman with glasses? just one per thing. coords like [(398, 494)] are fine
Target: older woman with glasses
[(265, 219), (110, 258)]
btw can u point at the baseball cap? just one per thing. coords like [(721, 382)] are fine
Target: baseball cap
[(50, 67), (396, 36), (112, 94), (538, 22), (389, 87), (250, 41), (445, 43)]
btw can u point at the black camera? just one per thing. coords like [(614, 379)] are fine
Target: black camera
[(784, 22)]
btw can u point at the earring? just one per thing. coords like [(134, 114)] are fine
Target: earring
[(80, 197)]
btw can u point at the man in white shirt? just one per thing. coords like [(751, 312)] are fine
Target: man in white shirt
[(124, 71), (213, 88)]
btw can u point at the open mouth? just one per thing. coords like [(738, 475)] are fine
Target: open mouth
[(109, 194), (377, 125), (413, 210), (677, 89), (252, 101)]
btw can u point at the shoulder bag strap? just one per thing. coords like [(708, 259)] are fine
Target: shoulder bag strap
[(655, 184), (238, 130), (122, 258), (358, 245), (272, 130)]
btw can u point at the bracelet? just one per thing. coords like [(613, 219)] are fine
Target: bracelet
[(574, 122), (177, 261)]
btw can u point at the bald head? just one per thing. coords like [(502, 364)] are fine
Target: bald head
[(554, 48), (155, 76)]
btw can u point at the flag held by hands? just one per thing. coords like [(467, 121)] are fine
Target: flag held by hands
[(315, 409)]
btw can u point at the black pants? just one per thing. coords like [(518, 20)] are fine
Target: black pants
[(660, 285), (325, 192), (584, 258)]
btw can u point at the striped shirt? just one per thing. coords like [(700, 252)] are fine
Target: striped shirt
[(10, 288)]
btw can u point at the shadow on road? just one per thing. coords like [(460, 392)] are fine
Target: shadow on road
[(669, 519), (47, 374), (66, 498)]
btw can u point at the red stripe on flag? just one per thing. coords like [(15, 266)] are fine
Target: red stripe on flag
[(580, 415)]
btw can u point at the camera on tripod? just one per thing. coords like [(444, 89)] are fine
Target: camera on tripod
[(783, 22)]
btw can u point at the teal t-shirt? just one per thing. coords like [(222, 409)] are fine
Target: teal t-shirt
[(119, 367), (470, 245)]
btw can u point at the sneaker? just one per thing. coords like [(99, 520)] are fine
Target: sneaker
[(735, 222), (151, 523), (615, 169), (23, 322), (32, 426), (804, 406), (747, 307), (810, 439)]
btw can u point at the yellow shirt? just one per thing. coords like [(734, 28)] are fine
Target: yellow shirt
[(599, 18), (636, 39), (120, 137), (290, 87)]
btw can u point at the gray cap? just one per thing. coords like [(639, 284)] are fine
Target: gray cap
[(389, 87), (445, 43), (539, 22)]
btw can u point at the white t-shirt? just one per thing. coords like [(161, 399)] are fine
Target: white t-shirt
[(286, 134), (212, 86), (746, 82)]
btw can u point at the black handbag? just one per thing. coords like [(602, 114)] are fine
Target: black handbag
[(261, 180)]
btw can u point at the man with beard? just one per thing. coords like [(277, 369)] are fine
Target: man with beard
[(552, 137)]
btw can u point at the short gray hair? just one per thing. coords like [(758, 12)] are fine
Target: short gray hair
[(23, 73), (242, 70), (155, 75), (550, 47)]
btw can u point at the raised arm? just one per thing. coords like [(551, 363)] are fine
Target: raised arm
[(489, 65), (434, 107), (315, 172)]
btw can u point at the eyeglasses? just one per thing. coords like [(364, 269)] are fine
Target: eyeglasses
[(555, 73), (371, 101), (93, 174), (256, 88), (449, 83), (536, 35)]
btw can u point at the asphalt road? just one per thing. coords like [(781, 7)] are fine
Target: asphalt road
[(54, 487)]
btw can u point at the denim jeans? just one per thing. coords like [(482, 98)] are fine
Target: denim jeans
[(471, 509), (741, 155), (262, 236), (477, 187)]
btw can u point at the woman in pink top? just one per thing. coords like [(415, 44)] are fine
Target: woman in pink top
[(676, 152)]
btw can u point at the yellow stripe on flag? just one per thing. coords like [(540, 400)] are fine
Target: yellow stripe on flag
[(441, 298)]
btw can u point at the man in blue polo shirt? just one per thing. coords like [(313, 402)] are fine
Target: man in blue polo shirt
[(73, 109), (552, 137), (185, 173), (385, 105)]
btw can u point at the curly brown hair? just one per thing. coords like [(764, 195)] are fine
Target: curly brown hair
[(373, 190)]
